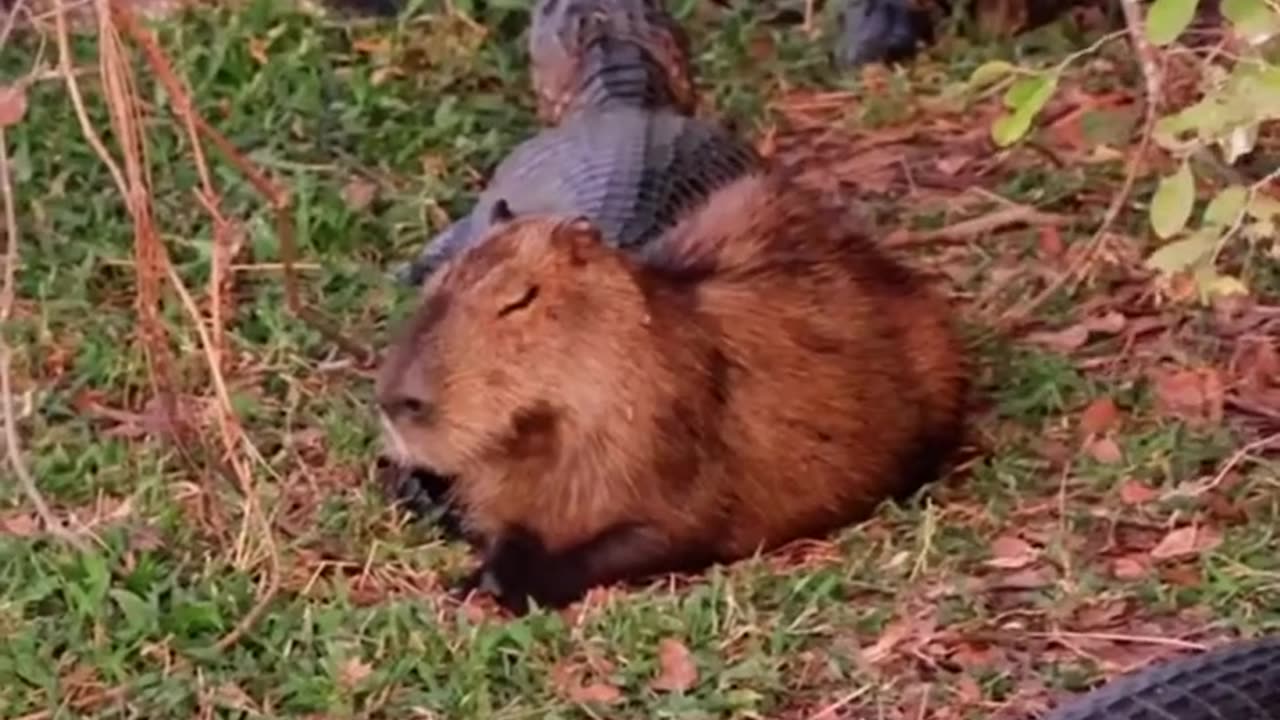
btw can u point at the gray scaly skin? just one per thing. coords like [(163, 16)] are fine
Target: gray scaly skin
[(1237, 681), (572, 72), (631, 170), (625, 152)]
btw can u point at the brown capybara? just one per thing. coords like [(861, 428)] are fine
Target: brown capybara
[(762, 374)]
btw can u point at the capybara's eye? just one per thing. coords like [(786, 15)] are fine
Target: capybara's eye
[(525, 301)]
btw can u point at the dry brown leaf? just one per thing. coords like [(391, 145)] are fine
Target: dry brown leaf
[(598, 692), (1186, 541), (1110, 324), (359, 193), (1129, 568), (953, 164), (1102, 614), (1029, 579), (13, 105), (677, 671), (566, 678), (353, 672), (1066, 340), (19, 524), (967, 690), (1106, 451), (894, 633), (1192, 395), (1099, 416), (1135, 492), (1011, 553), (1051, 245)]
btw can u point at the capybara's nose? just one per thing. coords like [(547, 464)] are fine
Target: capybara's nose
[(406, 406)]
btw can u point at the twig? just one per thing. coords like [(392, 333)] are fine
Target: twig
[(974, 227), (233, 439), (12, 444), (1151, 102), (1236, 458), (278, 199), (830, 711), (1120, 637)]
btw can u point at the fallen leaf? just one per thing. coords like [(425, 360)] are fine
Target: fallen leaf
[(258, 50), (1186, 541), (1134, 492), (1071, 338), (1099, 615), (1191, 395), (1051, 244), (967, 690), (13, 105), (953, 164), (1129, 568), (597, 692), (894, 633), (1011, 553), (677, 670), (1110, 324), (353, 672), (359, 193), (19, 524), (1105, 450), (1022, 580), (1099, 416), (566, 678), (372, 45), (1185, 575), (1223, 508)]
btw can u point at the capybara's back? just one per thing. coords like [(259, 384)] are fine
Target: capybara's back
[(850, 378)]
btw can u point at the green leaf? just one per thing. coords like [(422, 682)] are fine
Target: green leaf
[(989, 72), (1167, 19), (1215, 285), (1027, 97), (138, 615), (1024, 89), (1251, 18), (1183, 253), (1172, 201), (1226, 206)]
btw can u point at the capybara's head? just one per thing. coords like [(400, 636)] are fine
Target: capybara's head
[(511, 339)]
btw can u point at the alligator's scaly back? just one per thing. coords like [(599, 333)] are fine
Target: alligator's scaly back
[(633, 172), (587, 54)]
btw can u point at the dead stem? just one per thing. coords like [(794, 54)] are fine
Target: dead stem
[(12, 444), (278, 199), (1151, 103)]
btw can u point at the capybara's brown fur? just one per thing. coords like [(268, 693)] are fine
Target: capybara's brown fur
[(762, 375)]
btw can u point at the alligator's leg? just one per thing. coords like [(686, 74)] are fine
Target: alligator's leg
[(436, 251), (887, 31)]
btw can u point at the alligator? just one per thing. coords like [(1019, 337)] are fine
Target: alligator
[(632, 170), (1239, 680), (572, 72), (626, 151)]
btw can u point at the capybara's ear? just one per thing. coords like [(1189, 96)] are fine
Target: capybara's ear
[(501, 213), (579, 236)]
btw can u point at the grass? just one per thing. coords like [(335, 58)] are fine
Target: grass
[(1001, 590)]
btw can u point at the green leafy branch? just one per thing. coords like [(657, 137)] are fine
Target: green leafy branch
[(1241, 92), (1236, 102)]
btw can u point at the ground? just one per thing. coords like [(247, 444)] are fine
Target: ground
[(1117, 504)]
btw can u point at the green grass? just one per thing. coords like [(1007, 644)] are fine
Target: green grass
[(360, 626)]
